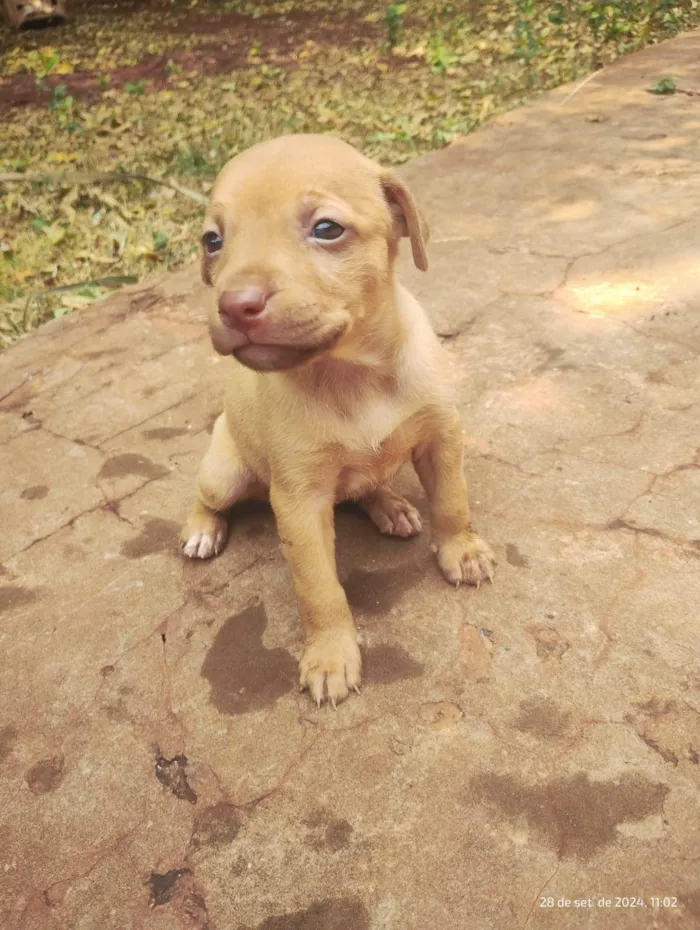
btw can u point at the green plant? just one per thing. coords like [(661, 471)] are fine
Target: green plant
[(137, 88), (47, 63), (393, 20), (439, 57), (60, 101), (61, 104), (160, 240), (666, 85), (524, 33)]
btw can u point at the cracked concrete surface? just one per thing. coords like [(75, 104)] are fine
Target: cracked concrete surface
[(534, 740)]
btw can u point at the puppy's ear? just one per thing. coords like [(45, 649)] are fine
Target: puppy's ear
[(408, 219)]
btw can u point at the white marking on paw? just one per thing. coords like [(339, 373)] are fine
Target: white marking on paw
[(201, 546)]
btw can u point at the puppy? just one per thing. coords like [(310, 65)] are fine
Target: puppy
[(336, 378)]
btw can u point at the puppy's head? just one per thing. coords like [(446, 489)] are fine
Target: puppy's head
[(299, 243)]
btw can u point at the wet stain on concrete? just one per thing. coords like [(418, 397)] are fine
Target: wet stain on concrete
[(8, 738), (179, 889), (45, 775), (318, 817), (36, 493), (121, 466), (654, 707), (328, 833), (656, 377), (377, 592), (549, 644), (243, 674), (515, 557), (338, 833), (13, 596), (619, 524), (163, 885), (666, 754), (385, 665), (338, 914), (165, 432), (156, 536), (216, 826), (172, 774), (542, 718), (575, 815)]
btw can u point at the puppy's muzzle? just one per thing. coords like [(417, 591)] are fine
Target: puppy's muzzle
[(238, 309), (265, 338)]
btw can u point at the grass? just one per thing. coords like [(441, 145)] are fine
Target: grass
[(151, 92)]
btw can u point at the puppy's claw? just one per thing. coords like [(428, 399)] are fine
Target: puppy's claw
[(465, 558), (331, 665), (393, 515)]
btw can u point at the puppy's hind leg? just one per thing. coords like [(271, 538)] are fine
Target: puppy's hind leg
[(222, 480), (391, 513)]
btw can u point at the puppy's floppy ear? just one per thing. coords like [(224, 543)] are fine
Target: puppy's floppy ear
[(408, 219)]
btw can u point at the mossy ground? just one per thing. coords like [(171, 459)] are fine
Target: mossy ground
[(171, 90)]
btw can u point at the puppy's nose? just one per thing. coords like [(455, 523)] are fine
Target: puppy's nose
[(239, 308)]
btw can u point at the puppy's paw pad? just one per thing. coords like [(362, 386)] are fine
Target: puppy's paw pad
[(331, 666), (466, 559)]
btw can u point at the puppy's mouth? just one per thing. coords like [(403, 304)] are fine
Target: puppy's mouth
[(263, 355)]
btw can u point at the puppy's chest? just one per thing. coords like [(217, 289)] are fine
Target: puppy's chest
[(375, 449)]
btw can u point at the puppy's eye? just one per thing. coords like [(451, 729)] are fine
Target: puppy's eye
[(327, 230), (212, 242)]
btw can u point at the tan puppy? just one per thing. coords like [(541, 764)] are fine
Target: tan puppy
[(336, 381)]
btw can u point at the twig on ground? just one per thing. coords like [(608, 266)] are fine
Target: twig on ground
[(109, 281), (581, 85)]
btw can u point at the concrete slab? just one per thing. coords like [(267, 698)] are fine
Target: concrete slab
[(515, 748)]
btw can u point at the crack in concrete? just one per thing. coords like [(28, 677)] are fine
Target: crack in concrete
[(152, 416), (540, 894), (119, 845), (16, 388), (107, 506)]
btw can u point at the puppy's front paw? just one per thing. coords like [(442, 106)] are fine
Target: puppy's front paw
[(465, 558), (331, 665), (204, 535)]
